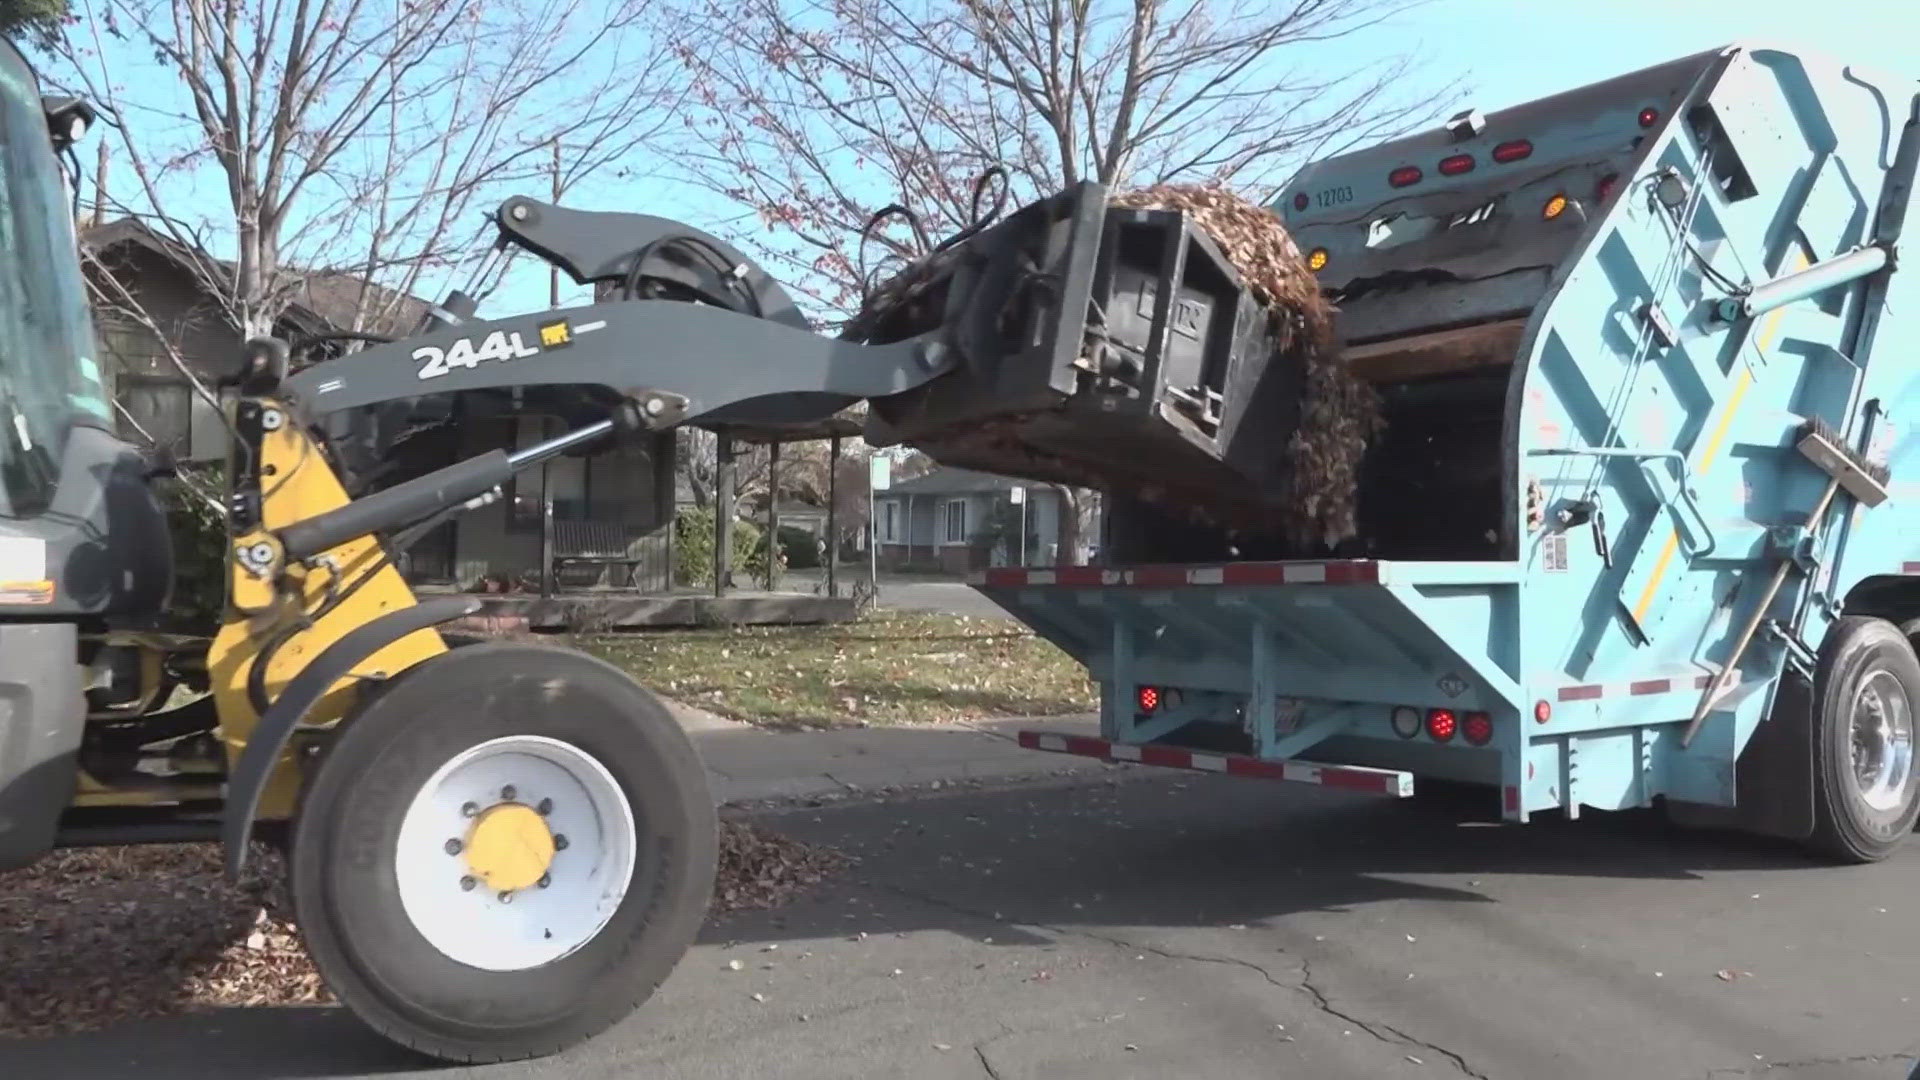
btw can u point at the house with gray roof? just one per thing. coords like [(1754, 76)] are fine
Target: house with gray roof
[(957, 520), (620, 498)]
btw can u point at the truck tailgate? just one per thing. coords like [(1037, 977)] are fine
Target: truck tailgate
[(1351, 631)]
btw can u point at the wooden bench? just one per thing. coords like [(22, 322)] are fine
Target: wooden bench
[(593, 543)]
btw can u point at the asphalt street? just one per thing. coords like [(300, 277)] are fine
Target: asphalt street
[(1154, 925)]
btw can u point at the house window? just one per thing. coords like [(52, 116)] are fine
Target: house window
[(890, 521), (565, 478), (956, 521), (167, 412)]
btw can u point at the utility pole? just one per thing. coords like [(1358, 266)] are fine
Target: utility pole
[(1020, 496), (553, 273)]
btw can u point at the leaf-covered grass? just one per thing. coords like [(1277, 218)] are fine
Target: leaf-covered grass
[(894, 667)]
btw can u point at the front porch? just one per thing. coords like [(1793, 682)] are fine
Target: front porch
[(587, 543)]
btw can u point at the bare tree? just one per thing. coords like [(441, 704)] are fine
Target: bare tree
[(32, 20), (325, 144), (812, 116)]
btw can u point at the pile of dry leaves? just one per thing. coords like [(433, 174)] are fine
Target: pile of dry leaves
[(94, 937), (1339, 414), (760, 869)]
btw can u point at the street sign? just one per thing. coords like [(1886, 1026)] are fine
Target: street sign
[(1019, 495), (880, 472)]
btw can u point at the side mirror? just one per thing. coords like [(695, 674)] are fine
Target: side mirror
[(68, 119)]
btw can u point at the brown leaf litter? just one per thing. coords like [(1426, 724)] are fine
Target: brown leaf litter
[(100, 936), (97, 936), (762, 869)]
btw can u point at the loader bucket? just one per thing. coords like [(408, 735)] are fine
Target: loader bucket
[(1084, 328)]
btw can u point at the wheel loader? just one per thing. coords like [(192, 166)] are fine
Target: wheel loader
[(494, 851)]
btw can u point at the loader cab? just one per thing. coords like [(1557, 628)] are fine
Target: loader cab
[(80, 529)]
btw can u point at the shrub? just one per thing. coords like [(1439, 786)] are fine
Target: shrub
[(693, 548), (799, 549), (199, 535)]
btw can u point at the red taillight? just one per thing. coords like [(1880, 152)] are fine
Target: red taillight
[(1478, 728), (1456, 165), (1300, 201), (1604, 190), (1405, 176), (1441, 724), (1508, 152), (1149, 698), (1542, 712), (1649, 117)]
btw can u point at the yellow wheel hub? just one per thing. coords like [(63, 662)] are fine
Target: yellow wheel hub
[(510, 847)]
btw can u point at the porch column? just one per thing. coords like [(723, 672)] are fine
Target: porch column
[(722, 513), (773, 515), (833, 518)]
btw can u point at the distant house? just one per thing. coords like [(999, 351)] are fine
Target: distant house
[(621, 497), (955, 520)]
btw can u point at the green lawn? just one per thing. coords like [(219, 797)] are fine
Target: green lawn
[(890, 668)]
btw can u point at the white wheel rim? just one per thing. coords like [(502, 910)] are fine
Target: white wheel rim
[(589, 874)]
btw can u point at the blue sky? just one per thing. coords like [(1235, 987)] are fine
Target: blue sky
[(1515, 50)]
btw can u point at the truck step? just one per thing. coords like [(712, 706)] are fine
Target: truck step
[(1348, 777)]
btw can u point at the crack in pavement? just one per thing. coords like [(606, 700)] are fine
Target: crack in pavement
[(855, 788), (1810, 1063), (980, 1049), (1325, 1004), (1382, 1031)]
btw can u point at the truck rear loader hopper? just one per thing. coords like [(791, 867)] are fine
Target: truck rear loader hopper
[(1634, 530)]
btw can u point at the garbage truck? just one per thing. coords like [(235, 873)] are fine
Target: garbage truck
[(1633, 533)]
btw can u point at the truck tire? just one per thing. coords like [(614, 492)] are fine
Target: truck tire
[(1866, 786), (504, 853)]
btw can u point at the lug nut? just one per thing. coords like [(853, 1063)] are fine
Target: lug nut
[(469, 809), (467, 883), (507, 793), (506, 898), (546, 880), (559, 842), (545, 807), (453, 847)]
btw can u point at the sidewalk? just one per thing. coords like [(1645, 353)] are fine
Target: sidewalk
[(749, 764)]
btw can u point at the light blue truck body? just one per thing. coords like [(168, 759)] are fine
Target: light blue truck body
[(1651, 479)]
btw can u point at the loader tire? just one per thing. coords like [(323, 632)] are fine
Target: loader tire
[(1866, 784), (504, 853)]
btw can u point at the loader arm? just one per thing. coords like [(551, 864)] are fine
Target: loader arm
[(316, 609)]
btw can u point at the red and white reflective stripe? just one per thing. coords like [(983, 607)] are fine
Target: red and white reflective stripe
[(1350, 777), (1636, 688), (1345, 572)]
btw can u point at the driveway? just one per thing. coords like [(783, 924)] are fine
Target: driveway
[(945, 597), (1149, 925)]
